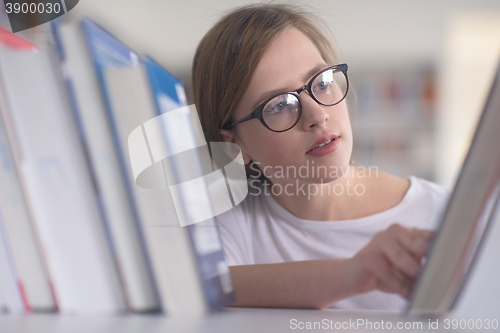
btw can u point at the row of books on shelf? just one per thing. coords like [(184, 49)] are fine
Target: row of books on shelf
[(77, 235), (405, 95), (394, 119)]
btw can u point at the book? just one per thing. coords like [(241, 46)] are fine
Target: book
[(180, 253), (59, 185), (194, 161), (10, 297), (129, 104), (121, 219), (32, 277), (470, 212)]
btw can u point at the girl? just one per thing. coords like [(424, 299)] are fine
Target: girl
[(314, 231)]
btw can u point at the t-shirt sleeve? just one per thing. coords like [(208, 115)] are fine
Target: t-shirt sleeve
[(236, 235)]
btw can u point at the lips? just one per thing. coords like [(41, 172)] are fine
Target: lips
[(322, 140)]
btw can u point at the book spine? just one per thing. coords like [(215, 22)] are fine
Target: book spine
[(121, 223), (33, 275), (10, 296)]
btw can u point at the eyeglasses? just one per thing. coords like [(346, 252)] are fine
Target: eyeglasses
[(282, 112)]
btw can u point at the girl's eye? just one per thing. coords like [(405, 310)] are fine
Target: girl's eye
[(324, 82), (321, 86), (277, 105)]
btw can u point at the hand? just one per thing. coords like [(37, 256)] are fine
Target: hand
[(390, 261)]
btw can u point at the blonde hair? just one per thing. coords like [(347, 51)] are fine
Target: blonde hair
[(229, 53)]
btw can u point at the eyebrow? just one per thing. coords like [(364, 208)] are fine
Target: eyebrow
[(274, 92)]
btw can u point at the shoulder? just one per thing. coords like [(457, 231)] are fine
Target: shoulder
[(428, 202), (394, 189), (433, 190), (235, 226), (431, 194), (241, 215), (250, 203), (417, 202), (382, 191)]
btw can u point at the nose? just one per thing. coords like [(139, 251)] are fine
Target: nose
[(313, 114)]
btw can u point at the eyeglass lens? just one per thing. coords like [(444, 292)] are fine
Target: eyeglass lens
[(282, 112)]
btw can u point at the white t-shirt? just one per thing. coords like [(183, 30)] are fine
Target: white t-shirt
[(259, 230)]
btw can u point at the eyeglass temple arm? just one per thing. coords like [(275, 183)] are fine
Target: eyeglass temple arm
[(250, 116)]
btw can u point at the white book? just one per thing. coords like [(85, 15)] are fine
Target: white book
[(129, 248), (59, 185), (32, 276), (170, 247), (10, 297)]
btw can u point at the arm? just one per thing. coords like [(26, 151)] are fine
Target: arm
[(388, 263), (298, 284)]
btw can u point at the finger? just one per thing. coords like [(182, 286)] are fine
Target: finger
[(415, 240), (425, 233), (398, 229), (419, 241), (387, 278), (405, 282), (400, 258)]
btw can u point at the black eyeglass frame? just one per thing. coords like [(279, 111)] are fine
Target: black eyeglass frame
[(257, 113)]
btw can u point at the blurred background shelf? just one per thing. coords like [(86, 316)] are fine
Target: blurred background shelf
[(408, 43), (393, 117)]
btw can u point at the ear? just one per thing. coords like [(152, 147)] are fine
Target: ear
[(228, 136)]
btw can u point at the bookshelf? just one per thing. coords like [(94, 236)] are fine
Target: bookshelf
[(240, 320), (393, 118)]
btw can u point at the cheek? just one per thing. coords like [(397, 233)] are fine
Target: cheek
[(267, 148), (277, 152), (343, 113), (341, 121)]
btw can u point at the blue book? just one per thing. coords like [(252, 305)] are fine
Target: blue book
[(108, 52), (168, 95)]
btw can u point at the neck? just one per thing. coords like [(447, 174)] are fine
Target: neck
[(331, 201)]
